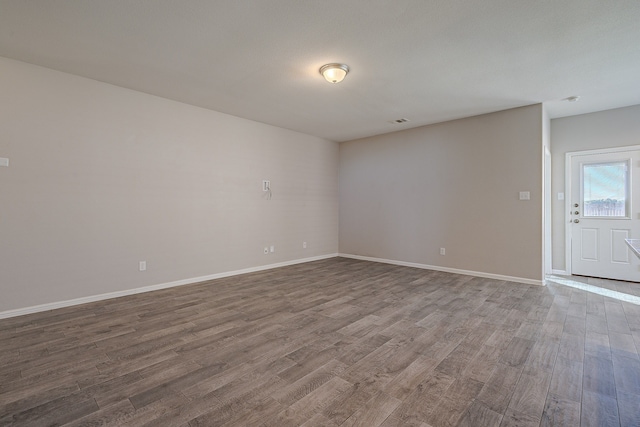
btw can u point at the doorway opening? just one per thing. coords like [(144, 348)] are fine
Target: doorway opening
[(602, 210)]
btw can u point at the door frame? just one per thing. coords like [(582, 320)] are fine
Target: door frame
[(567, 191)]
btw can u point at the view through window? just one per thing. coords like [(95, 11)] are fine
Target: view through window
[(605, 189)]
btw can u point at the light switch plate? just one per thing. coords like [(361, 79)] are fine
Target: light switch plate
[(525, 195), (560, 196), (4, 161)]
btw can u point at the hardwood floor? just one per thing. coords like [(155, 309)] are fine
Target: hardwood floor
[(330, 343)]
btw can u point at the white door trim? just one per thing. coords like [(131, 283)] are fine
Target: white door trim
[(567, 191)]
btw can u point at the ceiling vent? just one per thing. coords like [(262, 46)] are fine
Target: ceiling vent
[(399, 121)]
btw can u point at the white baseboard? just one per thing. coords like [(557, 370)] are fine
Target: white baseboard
[(447, 269), (93, 298), (560, 273)]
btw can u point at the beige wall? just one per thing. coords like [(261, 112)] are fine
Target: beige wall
[(102, 177), (604, 129), (454, 185)]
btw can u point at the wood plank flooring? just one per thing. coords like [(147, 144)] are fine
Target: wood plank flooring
[(336, 342)]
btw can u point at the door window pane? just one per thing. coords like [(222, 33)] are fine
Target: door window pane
[(605, 189)]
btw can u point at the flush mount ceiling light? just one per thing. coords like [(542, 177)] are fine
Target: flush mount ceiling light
[(572, 98), (334, 73)]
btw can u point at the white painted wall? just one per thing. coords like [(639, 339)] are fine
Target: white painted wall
[(103, 177), (455, 185), (546, 200), (605, 129)]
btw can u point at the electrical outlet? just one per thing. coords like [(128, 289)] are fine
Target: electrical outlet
[(272, 249), (266, 250), (304, 245), (142, 265), (442, 251)]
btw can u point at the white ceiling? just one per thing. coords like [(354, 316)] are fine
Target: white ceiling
[(425, 60)]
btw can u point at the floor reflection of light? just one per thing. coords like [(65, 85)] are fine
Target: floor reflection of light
[(595, 289)]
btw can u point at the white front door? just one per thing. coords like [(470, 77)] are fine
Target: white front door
[(604, 210)]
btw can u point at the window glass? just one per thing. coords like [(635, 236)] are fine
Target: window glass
[(605, 189)]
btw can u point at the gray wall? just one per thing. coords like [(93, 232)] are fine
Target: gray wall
[(604, 129), (102, 177), (454, 185)]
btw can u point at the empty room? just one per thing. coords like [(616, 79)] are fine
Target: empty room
[(301, 213)]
